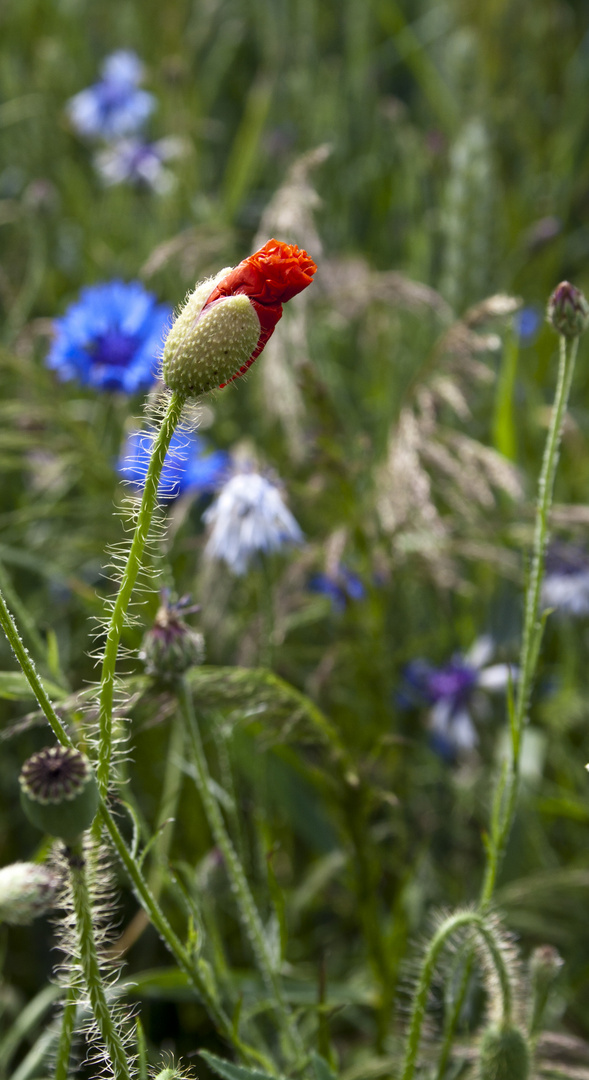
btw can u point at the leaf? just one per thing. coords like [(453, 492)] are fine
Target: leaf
[(229, 1071), (14, 686), (322, 1068)]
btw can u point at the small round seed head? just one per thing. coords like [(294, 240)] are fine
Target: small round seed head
[(503, 1054), (568, 310), (206, 348), (59, 793), (27, 890)]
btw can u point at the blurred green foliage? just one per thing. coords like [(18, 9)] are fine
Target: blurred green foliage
[(456, 157)]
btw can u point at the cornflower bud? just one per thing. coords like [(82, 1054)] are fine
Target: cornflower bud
[(228, 319), (568, 310), (58, 791), (27, 890), (171, 646), (503, 1054)]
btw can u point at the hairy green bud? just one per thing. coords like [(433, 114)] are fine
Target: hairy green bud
[(27, 890), (59, 793), (503, 1054), (205, 348)]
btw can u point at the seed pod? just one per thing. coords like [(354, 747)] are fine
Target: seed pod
[(59, 793), (27, 890), (503, 1054)]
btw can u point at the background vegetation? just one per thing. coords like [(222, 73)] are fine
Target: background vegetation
[(429, 156)]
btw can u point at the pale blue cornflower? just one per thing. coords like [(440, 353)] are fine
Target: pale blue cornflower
[(114, 106), (247, 518), (140, 163)]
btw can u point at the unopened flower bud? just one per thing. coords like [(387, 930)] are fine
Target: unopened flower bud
[(503, 1054), (27, 890), (59, 793), (171, 646), (205, 348), (568, 310), (544, 967)]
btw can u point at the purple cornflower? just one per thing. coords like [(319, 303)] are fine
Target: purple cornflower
[(566, 582), (115, 105), (449, 690), (341, 585), (135, 161), (110, 338), (188, 467)]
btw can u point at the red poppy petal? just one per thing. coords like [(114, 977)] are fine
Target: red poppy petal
[(269, 277)]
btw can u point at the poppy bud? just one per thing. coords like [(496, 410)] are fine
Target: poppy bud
[(27, 890), (59, 793), (227, 320), (503, 1054), (206, 347)]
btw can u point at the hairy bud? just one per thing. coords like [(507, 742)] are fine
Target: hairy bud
[(205, 348), (171, 646), (568, 310), (503, 1054), (27, 890), (59, 793)]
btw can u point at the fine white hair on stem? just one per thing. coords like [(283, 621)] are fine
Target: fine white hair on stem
[(68, 969)]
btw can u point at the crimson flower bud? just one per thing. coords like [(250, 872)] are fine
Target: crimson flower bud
[(228, 319)]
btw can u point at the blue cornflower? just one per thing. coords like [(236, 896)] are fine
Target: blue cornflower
[(110, 338), (341, 585), (135, 161), (248, 516), (188, 466), (449, 691), (526, 323), (566, 583), (115, 105)]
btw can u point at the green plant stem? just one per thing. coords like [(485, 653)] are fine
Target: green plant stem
[(90, 966), (132, 568), (64, 1047), (450, 925), (29, 670), (182, 956), (505, 796), (246, 907)]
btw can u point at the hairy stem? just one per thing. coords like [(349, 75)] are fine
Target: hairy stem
[(30, 672), (64, 1047), (90, 965), (505, 797), (450, 925), (132, 568)]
